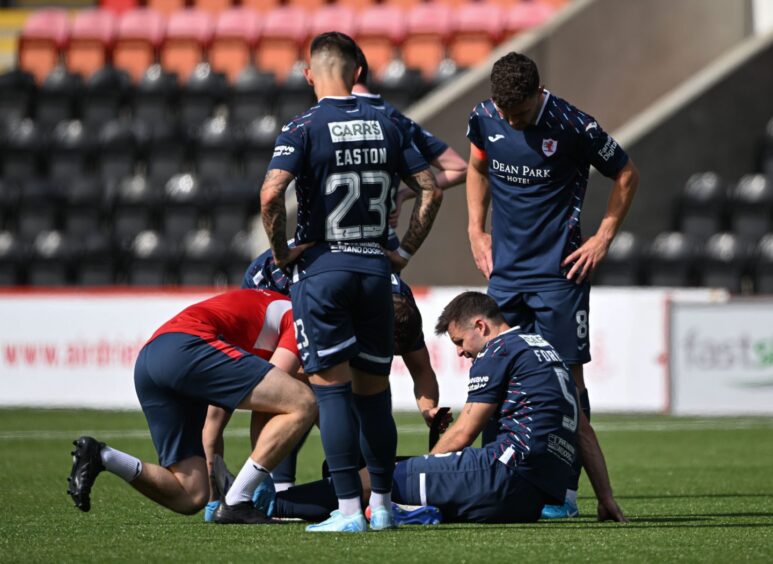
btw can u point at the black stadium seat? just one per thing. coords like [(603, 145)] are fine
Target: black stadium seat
[(702, 205), (622, 265), (204, 90), (103, 97), (50, 258), (85, 206), (21, 150), (17, 91), (215, 150), (117, 151), (251, 96), (149, 260), (40, 203), (69, 151), (133, 208), (57, 97), (294, 96), (11, 259), (763, 270), (399, 85), (166, 151), (97, 262), (723, 263), (671, 259), (257, 147), (751, 207), (242, 250), (155, 97), (201, 255), (184, 198)]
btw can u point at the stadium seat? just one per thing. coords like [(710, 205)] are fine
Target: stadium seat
[(133, 208), (10, 191), (38, 210), (200, 95), (12, 259), (119, 6), (43, 36), (200, 259), (97, 262), (476, 28), (155, 98), (308, 5), (380, 30), (85, 207), (356, 5), (91, 40), (295, 95), (751, 205), (166, 150), (262, 6), (213, 7), (622, 265), (140, 34), (763, 268), (104, 94), (236, 36), (251, 96), (166, 7), (184, 199), (671, 260), (702, 205), (17, 93), (404, 4), (49, 262), (259, 137), (526, 15), (118, 150), (188, 35), (57, 98), (68, 152), (215, 151), (429, 27), (399, 85), (284, 32), (723, 262), (332, 17), (21, 150), (242, 249), (149, 259), (767, 152)]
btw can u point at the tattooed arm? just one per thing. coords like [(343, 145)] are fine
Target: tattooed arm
[(427, 205), (274, 214), (468, 426)]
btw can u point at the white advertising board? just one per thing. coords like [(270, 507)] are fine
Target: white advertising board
[(722, 358), (78, 349)]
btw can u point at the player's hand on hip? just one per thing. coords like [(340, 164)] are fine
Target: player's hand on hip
[(403, 195), (293, 254), (481, 252), (398, 262), (608, 510), (586, 258)]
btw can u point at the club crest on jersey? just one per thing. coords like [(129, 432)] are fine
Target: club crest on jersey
[(549, 147)]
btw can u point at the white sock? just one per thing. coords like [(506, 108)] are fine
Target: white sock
[(571, 495), (121, 464), (282, 486), (245, 483), (380, 500), (349, 506)]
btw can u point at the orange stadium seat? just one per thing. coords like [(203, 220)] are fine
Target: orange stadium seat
[(166, 7), (284, 34), (263, 6), (188, 35), (477, 28), (308, 5), (429, 26), (119, 6), (91, 40), (44, 34), (527, 15), (330, 18), (379, 30), (236, 35), (213, 6), (403, 4), (356, 5), (140, 34)]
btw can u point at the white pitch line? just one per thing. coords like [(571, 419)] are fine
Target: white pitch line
[(606, 427)]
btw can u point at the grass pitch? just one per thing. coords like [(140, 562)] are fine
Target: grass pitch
[(694, 489)]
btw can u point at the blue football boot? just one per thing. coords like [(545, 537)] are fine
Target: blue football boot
[(566, 510), (338, 523)]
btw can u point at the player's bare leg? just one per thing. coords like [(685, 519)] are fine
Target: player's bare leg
[(182, 487)]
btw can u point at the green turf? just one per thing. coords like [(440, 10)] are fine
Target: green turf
[(695, 490)]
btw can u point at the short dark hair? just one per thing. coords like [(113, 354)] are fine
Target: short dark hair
[(407, 324), (464, 306), (335, 41), (514, 78), (362, 62)]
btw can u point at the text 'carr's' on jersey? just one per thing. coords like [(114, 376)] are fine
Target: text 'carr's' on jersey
[(347, 158), (538, 179)]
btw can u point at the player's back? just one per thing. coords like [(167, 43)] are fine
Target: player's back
[(255, 320), (347, 158)]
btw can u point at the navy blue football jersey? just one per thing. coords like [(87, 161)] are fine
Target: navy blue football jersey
[(537, 179), (536, 416), (427, 144), (347, 159)]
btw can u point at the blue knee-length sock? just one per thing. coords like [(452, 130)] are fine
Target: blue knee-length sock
[(378, 437)]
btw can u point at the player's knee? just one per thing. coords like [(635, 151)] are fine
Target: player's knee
[(307, 405)]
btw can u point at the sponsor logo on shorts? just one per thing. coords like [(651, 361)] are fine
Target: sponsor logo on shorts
[(476, 383), (355, 130)]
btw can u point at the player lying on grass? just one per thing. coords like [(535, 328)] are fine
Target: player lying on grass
[(516, 379), (235, 350), (409, 343)]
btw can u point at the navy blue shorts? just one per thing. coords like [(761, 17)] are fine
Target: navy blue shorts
[(470, 485), (561, 316), (177, 376), (344, 316)]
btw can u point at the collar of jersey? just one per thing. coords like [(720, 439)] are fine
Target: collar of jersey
[(542, 109), (335, 99), (367, 95)]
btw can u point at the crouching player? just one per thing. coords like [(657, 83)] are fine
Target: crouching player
[(235, 350), (518, 380)]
